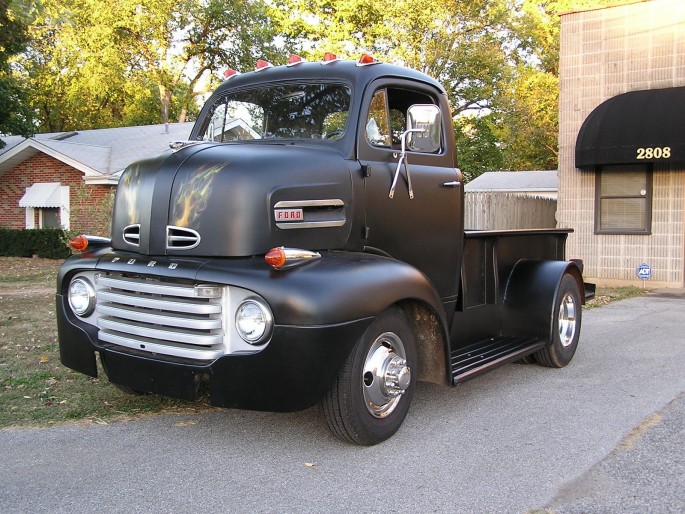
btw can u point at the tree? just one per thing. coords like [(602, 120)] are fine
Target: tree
[(15, 116), (457, 42), (97, 63)]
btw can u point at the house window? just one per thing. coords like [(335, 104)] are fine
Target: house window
[(49, 218), (47, 205), (623, 200)]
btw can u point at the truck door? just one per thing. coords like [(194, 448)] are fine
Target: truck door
[(426, 230)]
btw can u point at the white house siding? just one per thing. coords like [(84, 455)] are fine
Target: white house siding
[(606, 52)]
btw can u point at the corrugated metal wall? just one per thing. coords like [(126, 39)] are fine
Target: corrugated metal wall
[(500, 211)]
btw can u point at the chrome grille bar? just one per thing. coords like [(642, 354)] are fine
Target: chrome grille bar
[(164, 317)]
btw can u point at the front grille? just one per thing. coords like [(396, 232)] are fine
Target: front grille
[(156, 316), (180, 238)]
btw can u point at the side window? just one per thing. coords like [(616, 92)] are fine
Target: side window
[(377, 124), (623, 200), (387, 119)]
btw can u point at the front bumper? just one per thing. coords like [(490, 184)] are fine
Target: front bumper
[(292, 373)]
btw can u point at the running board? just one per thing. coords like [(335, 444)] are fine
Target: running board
[(489, 354)]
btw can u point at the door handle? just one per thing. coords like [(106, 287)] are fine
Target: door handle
[(454, 183)]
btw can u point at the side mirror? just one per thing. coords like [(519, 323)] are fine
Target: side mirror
[(425, 123)]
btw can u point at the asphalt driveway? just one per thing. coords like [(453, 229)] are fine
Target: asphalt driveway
[(605, 434)]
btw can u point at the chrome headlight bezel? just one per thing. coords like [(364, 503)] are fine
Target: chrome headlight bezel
[(81, 297), (254, 321)]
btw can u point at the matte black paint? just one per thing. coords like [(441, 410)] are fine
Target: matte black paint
[(492, 293)]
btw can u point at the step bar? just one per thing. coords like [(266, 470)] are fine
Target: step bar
[(489, 354)]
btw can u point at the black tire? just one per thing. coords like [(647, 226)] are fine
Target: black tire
[(565, 327), (359, 408), (528, 359)]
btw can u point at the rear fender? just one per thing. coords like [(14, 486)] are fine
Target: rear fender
[(529, 299)]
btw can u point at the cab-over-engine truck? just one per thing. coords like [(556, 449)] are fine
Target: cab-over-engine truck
[(307, 245)]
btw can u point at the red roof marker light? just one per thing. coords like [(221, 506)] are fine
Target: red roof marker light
[(262, 65), (329, 57), (367, 59), (294, 59), (230, 74)]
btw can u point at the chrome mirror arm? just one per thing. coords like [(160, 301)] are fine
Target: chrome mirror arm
[(403, 159)]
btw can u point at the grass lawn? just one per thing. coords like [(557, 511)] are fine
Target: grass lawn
[(35, 389)]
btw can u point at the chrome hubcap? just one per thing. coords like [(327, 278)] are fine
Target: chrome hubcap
[(386, 375), (567, 320)]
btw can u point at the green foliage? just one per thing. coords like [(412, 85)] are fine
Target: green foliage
[(93, 218), (46, 243), (97, 63), (478, 148), (527, 120), (15, 116)]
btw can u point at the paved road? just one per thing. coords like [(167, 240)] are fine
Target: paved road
[(604, 434)]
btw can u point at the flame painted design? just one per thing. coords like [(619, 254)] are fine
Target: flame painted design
[(193, 195), (127, 191)]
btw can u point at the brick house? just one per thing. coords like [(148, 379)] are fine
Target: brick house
[(67, 179), (622, 141)]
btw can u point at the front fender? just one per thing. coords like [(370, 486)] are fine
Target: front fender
[(338, 288)]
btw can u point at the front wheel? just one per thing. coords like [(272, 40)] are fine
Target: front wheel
[(371, 396), (566, 326)]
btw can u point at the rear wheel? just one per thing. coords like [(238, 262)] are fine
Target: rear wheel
[(371, 396), (566, 326)]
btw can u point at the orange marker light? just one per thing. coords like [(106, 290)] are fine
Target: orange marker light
[(276, 257), (367, 59), (79, 243), (329, 57)]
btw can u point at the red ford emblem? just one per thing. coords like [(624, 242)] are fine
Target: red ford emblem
[(282, 215)]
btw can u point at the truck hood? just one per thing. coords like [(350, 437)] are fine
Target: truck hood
[(234, 200)]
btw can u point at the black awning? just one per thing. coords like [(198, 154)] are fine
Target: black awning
[(635, 127)]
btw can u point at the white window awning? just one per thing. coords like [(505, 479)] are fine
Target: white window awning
[(47, 194)]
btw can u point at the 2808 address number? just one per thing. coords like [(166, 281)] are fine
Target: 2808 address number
[(654, 153)]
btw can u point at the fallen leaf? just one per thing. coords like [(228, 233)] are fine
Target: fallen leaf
[(186, 423), (43, 358)]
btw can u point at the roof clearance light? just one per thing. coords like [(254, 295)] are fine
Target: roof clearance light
[(294, 59), (285, 258), (230, 74), (367, 59), (79, 243), (329, 57), (262, 65)]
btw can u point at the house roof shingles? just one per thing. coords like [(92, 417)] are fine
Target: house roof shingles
[(100, 154)]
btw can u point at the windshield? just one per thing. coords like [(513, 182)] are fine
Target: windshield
[(292, 111)]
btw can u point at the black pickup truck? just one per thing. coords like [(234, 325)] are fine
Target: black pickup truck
[(307, 245)]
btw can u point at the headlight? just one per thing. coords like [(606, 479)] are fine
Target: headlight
[(81, 297), (253, 321)]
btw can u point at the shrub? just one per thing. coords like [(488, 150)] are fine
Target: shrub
[(47, 243)]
